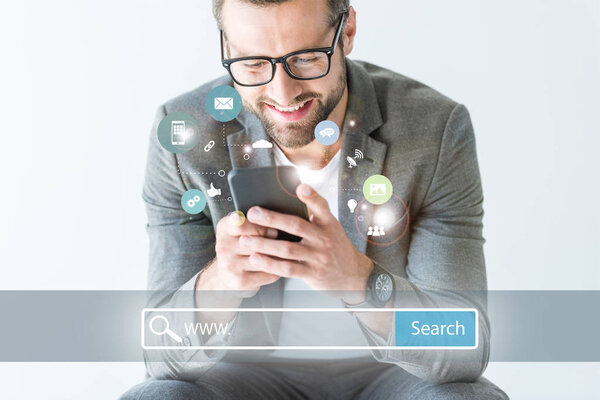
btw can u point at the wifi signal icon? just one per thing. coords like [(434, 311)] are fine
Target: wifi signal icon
[(358, 154)]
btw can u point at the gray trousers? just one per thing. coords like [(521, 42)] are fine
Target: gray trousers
[(310, 380)]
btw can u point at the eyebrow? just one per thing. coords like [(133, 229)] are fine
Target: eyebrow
[(241, 54), (228, 48)]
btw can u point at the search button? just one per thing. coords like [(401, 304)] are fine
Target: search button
[(165, 328), (437, 328)]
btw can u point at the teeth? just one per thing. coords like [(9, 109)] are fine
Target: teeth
[(289, 109)]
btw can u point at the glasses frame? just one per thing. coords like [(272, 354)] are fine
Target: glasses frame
[(283, 60)]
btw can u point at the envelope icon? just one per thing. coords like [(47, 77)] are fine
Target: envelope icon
[(223, 103)]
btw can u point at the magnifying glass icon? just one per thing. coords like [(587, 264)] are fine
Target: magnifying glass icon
[(160, 332)]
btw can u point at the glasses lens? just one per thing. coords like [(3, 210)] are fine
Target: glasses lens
[(308, 65), (251, 72)]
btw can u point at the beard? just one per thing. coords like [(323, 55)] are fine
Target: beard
[(294, 135)]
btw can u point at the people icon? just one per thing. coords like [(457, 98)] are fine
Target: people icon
[(376, 231)]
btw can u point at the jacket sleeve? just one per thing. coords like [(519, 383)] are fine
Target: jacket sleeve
[(180, 246), (446, 266)]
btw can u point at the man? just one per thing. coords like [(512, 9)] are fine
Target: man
[(391, 125)]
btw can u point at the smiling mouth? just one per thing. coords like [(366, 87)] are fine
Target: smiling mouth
[(288, 109), (293, 113)]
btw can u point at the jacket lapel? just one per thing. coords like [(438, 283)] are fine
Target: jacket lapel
[(351, 182), (241, 152), (362, 119)]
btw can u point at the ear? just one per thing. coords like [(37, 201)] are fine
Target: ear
[(349, 31)]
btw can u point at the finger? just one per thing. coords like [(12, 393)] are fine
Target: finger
[(279, 267), (243, 276), (279, 248), (234, 247), (255, 279), (237, 266), (317, 204), (238, 225), (284, 222)]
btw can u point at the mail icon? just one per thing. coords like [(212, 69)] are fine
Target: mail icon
[(223, 103)]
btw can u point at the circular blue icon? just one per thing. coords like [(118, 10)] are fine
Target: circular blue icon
[(178, 132), (223, 103), (193, 201), (327, 132)]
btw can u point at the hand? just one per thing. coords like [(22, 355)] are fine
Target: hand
[(325, 258), (231, 269)]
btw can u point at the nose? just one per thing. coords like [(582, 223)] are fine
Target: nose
[(283, 88)]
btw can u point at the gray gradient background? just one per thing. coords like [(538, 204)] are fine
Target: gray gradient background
[(81, 81), (90, 326)]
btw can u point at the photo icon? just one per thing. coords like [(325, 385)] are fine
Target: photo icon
[(377, 189)]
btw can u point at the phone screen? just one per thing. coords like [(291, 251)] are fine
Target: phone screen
[(273, 188)]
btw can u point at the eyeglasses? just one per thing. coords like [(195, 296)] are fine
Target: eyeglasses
[(302, 65)]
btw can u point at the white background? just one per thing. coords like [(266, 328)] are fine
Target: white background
[(80, 81)]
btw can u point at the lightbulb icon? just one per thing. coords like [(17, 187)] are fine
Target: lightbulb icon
[(352, 205)]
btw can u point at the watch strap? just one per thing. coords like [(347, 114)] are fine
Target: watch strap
[(364, 304), (370, 300)]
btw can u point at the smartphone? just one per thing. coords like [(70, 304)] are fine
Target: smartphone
[(177, 132), (272, 187)]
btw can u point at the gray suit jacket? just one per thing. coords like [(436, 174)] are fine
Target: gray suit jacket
[(421, 140)]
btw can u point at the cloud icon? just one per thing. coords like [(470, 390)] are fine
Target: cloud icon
[(262, 144)]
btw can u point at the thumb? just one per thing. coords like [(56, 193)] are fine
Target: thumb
[(317, 204)]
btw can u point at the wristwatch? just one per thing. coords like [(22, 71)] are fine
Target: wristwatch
[(380, 289)]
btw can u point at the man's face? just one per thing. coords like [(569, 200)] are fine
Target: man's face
[(275, 31)]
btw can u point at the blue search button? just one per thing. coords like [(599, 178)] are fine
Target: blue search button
[(435, 328)]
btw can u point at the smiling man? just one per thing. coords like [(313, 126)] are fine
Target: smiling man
[(288, 108), (423, 248)]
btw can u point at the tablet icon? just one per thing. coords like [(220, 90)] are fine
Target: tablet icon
[(159, 325), (178, 132)]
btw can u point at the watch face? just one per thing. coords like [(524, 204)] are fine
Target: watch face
[(383, 287)]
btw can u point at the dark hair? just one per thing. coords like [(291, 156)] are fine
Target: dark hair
[(336, 7)]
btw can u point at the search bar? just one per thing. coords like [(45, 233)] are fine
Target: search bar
[(414, 328)]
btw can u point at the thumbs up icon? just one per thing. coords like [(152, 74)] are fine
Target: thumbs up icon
[(212, 191)]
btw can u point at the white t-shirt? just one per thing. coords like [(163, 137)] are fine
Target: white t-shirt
[(317, 329)]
